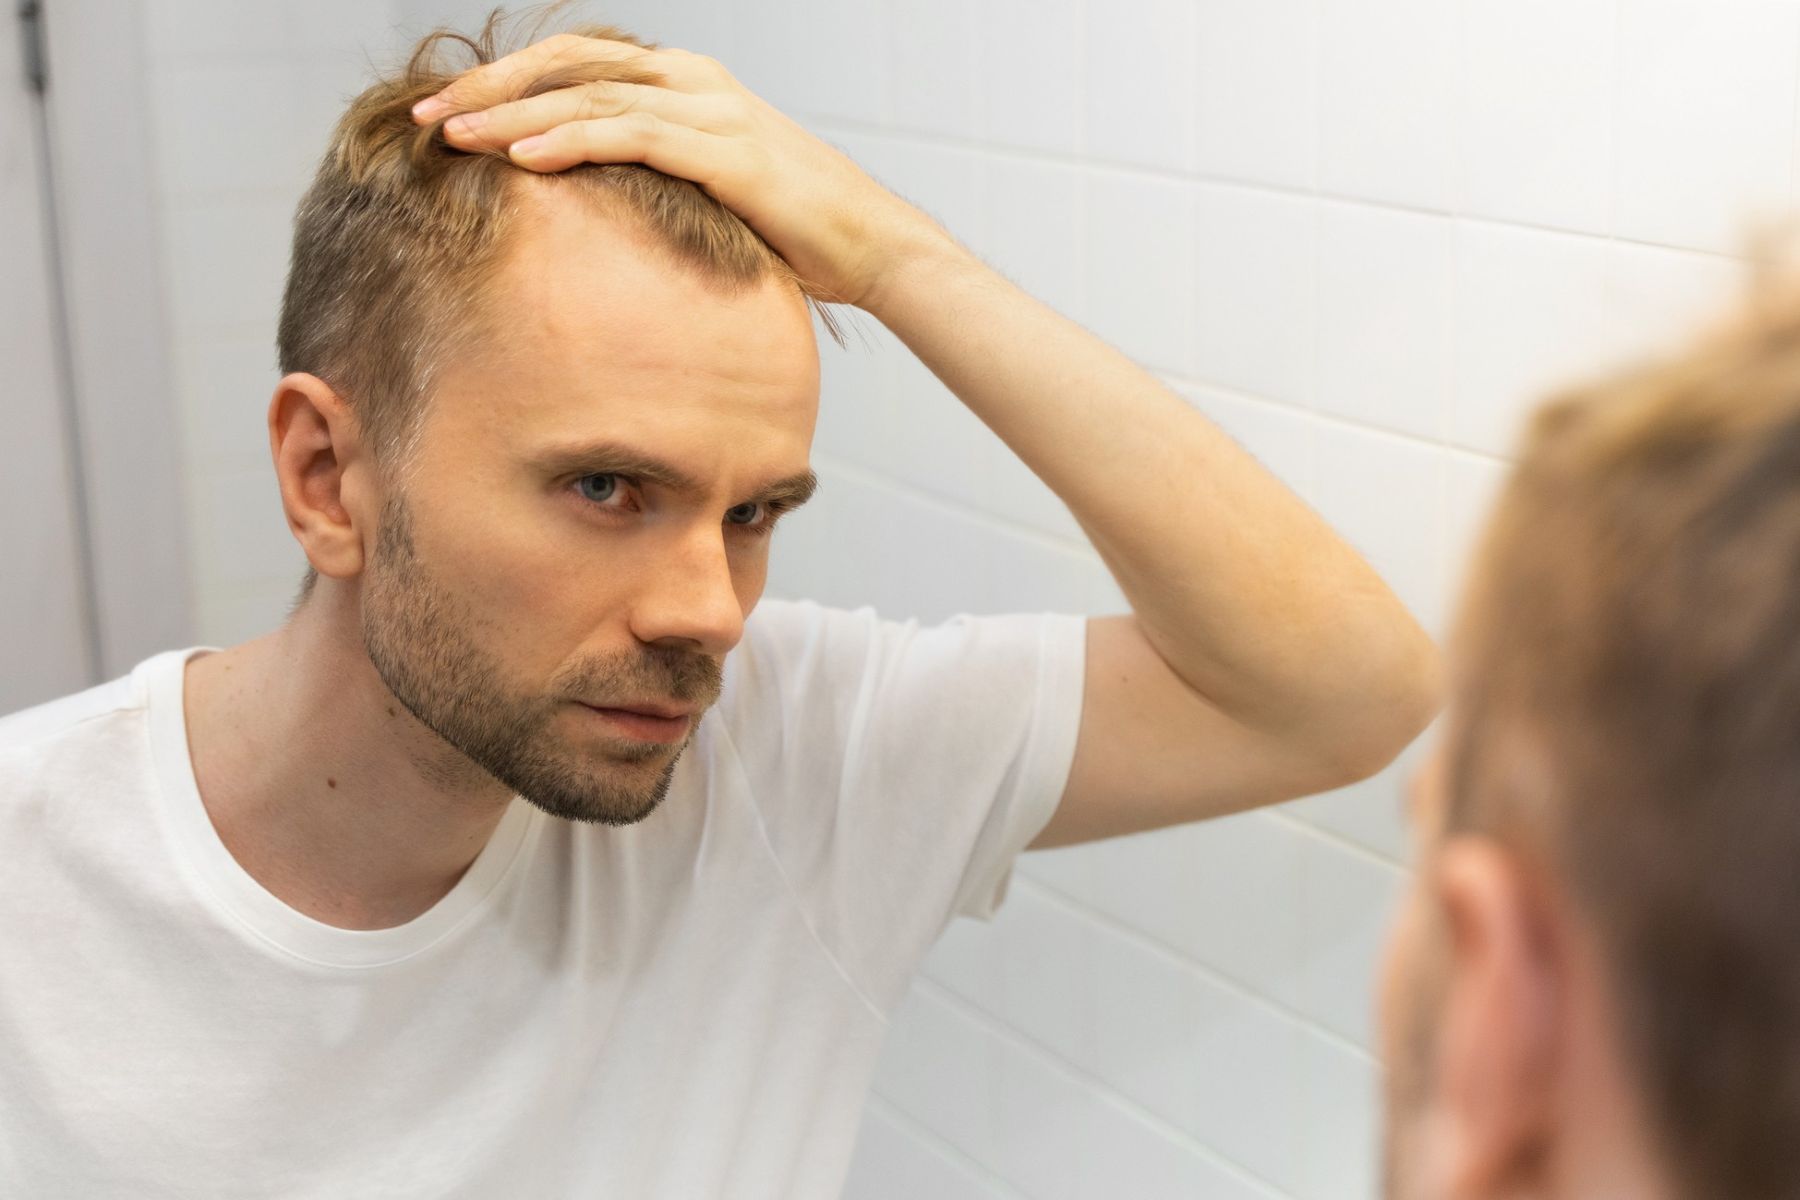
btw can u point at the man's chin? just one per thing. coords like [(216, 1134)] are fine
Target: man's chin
[(605, 790)]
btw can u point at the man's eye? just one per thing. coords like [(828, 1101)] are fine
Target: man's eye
[(744, 514), (597, 488)]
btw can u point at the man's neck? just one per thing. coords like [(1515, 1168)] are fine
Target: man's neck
[(323, 787)]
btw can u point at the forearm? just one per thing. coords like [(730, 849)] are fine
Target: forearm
[(1248, 597), (1246, 593)]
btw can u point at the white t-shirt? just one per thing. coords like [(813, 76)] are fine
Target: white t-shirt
[(689, 1007)]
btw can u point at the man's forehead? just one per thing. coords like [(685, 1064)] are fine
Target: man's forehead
[(579, 336), (586, 333), (583, 272), (593, 351)]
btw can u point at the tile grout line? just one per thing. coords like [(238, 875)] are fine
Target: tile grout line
[(1097, 1087), (1328, 418), (852, 127), (1042, 539), (1180, 958), (1332, 837), (864, 473), (958, 1157)]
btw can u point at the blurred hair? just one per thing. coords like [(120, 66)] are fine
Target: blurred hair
[(1628, 689), (400, 231)]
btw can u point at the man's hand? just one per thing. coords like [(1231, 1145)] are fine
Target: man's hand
[(838, 228), (1262, 659)]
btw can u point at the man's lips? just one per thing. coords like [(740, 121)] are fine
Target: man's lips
[(668, 712), (645, 722)]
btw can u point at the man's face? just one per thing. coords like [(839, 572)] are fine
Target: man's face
[(582, 527)]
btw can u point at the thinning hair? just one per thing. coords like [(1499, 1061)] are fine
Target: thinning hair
[(400, 232), (1627, 684)]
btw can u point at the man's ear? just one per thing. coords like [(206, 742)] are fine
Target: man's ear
[(323, 471), (1498, 1084)]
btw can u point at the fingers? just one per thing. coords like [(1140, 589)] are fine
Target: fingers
[(505, 78), (635, 137), (501, 126)]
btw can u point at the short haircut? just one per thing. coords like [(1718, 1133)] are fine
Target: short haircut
[(1627, 690), (400, 231)]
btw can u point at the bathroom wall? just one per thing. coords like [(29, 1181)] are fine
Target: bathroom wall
[(1364, 237), (243, 96)]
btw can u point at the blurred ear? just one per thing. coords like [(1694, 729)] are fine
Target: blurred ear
[(324, 474), (1498, 1050)]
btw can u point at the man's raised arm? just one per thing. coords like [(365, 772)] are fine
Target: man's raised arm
[(1263, 658)]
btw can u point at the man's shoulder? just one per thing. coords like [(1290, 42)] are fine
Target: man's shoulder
[(773, 613), (785, 635), (76, 713), (821, 635), (795, 655)]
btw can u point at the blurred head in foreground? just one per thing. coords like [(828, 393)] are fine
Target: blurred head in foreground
[(1594, 990), (533, 433)]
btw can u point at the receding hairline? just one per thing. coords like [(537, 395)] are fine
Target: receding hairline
[(532, 201), (526, 239), (401, 233)]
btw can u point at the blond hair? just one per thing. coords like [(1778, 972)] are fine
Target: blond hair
[(399, 231), (1628, 708)]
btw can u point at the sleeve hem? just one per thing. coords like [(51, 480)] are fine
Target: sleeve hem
[(1050, 747)]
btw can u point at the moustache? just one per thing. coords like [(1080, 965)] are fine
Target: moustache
[(681, 677)]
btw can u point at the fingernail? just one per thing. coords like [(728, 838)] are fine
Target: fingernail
[(529, 145), (430, 108), (466, 123)]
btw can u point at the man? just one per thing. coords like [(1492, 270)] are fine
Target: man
[(523, 860), (1595, 988)]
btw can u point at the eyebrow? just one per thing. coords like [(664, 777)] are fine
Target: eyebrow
[(610, 458)]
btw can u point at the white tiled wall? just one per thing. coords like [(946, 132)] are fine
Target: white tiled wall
[(243, 96), (1364, 237)]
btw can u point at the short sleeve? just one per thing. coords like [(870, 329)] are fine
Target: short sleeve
[(899, 769)]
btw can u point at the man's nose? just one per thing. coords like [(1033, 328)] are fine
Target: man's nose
[(686, 594)]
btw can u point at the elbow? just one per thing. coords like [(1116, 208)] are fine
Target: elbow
[(1386, 714)]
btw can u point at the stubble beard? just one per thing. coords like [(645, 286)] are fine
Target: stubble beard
[(422, 644)]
